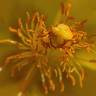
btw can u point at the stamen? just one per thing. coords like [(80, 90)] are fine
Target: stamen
[(62, 86), (20, 94), (45, 89), (72, 79), (20, 23), (56, 73), (28, 17), (92, 61), (67, 9), (81, 78), (12, 29), (1, 69), (52, 85), (62, 8), (8, 41)]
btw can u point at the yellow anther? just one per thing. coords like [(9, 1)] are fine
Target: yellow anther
[(62, 86), (52, 85)]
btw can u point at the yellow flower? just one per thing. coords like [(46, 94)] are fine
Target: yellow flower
[(35, 43)]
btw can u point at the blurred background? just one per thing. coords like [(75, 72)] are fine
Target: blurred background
[(11, 10)]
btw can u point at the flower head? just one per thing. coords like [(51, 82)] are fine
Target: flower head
[(37, 41)]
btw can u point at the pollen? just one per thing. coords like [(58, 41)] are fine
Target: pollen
[(63, 31)]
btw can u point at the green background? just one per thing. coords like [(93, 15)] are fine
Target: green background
[(11, 10)]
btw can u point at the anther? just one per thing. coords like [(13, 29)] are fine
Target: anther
[(1, 69), (20, 94)]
